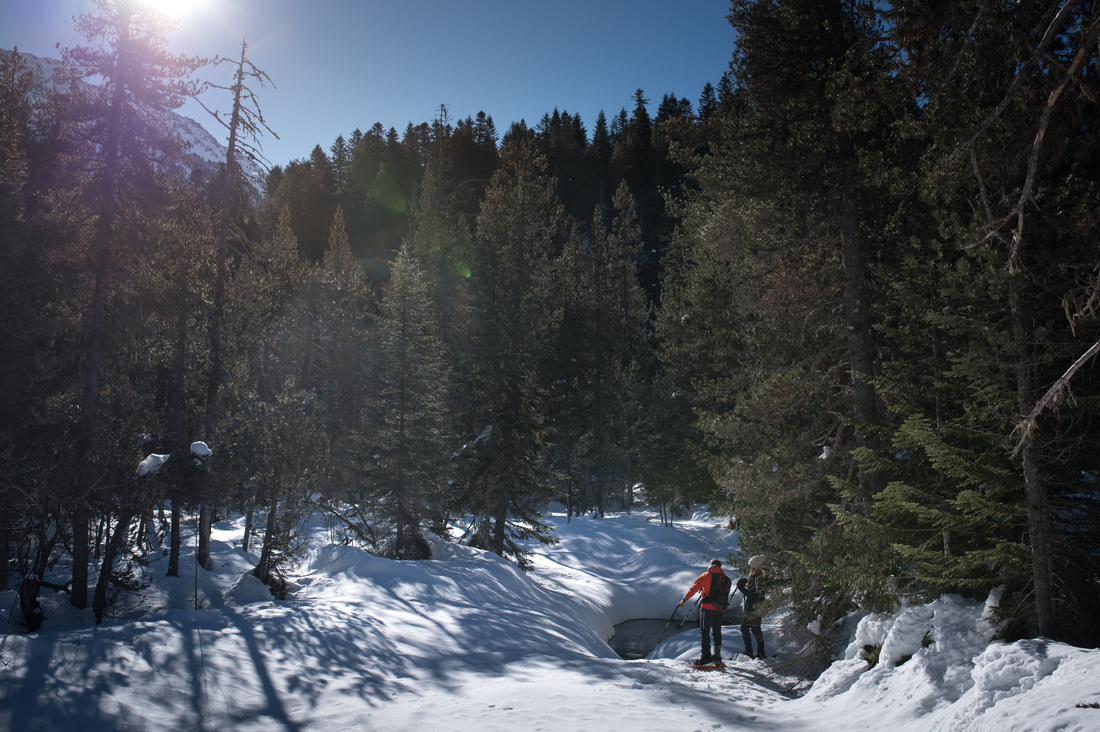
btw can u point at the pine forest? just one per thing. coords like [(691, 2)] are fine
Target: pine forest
[(846, 295)]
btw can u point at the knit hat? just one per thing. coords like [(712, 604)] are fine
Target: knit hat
[(758, 561)]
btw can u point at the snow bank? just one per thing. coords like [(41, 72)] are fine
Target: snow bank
[(938, 669), (369, 643)]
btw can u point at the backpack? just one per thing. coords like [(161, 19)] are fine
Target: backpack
[(719, 594)]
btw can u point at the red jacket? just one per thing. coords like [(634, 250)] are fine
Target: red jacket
[(702, 586)]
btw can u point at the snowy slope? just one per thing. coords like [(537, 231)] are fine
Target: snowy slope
[(467, 642)]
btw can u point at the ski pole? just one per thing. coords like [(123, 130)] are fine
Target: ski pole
[(684, 619), (670, 617)]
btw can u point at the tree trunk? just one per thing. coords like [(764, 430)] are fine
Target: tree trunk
[(248, 514), (500, 524), (862, 351), (79, 596), (110, 551), (263, 567), (5, 547), (93, 351), (1038, 525), (206, 524), (175, 541), (1039, 529), (214, 378)]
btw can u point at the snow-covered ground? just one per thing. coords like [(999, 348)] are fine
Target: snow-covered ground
[(467, 642)]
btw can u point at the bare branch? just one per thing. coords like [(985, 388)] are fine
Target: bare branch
[(1033, 162), (1053, 396), (1040, 52)]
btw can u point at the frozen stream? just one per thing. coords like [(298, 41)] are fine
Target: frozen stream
[(636, 638)]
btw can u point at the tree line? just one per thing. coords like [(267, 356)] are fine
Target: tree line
[(882, 307), (848, 297)]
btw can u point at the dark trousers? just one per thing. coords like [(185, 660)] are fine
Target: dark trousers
[(752, 625), (710, 623)]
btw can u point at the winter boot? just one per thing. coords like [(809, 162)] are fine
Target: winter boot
[(716, 659), (703, 660)]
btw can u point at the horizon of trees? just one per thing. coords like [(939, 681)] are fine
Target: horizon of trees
[(848, 297)]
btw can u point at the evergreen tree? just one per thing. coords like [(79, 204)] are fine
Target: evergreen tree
[(601, 357), (277, 437), (708, 102), (440, 240), (599, 163), (513, 318), (1005, 134), (770, 335), (245, 124), (15, 351), (141, 80), (340, 154), (406, 449)]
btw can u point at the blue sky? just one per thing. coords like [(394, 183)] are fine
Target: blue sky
[(342, 64)]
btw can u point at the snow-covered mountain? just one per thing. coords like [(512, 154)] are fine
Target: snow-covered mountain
[(205, 151)]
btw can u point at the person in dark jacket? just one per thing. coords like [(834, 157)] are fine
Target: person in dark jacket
[(753, 588), (714, 586)]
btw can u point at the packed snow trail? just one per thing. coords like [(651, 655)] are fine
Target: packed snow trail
[(469, 642)]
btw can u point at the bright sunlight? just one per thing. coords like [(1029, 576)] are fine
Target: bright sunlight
[(174, 9)]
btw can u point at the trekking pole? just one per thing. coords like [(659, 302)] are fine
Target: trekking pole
[(684, 620), (670, 617)]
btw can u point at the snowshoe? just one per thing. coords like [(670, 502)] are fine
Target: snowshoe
[(713, 664)]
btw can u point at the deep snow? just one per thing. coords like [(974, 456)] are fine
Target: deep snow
[(468, 642)]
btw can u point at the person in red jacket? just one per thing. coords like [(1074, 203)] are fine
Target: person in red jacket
[(714, 586)]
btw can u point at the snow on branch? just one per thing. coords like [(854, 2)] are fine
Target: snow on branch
[(151, 464)]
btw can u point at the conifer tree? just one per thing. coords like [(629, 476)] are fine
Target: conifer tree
[(601, 356), (406, 451), (708, 102), (21, 283), (277, 433), (598, 155), (245, 124), (513, 318), (141, 80), (1006, 133), (769, 338), (440, 240)]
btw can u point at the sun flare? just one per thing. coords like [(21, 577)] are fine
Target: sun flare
[(173, 9)]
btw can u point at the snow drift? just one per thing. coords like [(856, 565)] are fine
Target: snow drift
[(369, 643)]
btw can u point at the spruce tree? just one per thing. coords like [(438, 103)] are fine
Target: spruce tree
[(15, 343), (406, 449), (140, 81), (513, 319), (601, 357), (1007, 184), (769, 333)]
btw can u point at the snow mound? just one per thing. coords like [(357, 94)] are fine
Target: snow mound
[(939, 669), (247, 590)]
